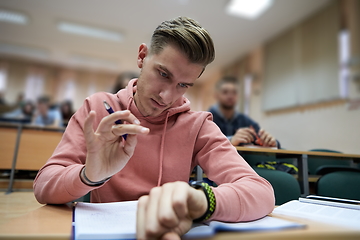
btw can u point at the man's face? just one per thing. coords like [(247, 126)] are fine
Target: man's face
[(164, 78), (227, 95), (43, 108)]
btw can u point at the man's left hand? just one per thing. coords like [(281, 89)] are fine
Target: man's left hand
[(168, 211), (267, 139)]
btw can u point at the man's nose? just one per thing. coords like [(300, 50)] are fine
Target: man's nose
[(166, 94)]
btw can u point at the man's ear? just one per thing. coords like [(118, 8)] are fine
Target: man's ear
[(143, 52)]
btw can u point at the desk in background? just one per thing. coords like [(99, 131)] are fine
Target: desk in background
[(302, 158), (26, 147), (55, 222)]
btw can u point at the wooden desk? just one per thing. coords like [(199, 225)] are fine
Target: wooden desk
[(36, 147), (301, 157), (7, 146), (54, 222), (26, 147)]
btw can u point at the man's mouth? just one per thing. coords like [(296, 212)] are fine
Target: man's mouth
[(157, 104)]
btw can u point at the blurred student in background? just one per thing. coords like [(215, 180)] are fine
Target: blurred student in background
[(45, 116), (66, 108), (237, 127), (123, 80), (24, 112)]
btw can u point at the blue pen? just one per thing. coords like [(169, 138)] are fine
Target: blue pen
[(110, 111)]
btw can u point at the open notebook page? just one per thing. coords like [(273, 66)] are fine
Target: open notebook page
[(116, 221), (319, 212)]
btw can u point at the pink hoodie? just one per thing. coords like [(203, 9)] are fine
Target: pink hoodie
[(179, 139)]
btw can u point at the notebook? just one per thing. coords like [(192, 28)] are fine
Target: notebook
[(336, 211), (118, 221)]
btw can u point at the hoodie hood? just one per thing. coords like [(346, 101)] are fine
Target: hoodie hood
[(127, 102)]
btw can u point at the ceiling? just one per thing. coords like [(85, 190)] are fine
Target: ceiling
[(136, 19)]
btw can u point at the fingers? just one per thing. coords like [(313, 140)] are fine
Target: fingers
[(167, 215), (170, 236), (107, 124), (88, 125), (153, 228), (264, 136), (173, 204), (108, 121), (267, 139), (140, 217), (147, 226), (235, 140), (122, 129), (252, 131), (246, 135), (164, 213)]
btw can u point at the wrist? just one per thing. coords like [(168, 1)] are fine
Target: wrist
[(210, 199), (87, 181)]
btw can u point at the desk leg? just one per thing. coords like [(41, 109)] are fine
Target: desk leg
[(303, 174), (16, 150)]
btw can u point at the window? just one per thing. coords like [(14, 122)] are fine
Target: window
[(34, 86), (344, 58), (247, 93), (3, 79), (302, 64)]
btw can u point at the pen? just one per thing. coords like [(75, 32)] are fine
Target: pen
[(258, 140), (111, 111)]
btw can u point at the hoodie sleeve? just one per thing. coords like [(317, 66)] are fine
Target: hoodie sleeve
[(241, 195), (58, 181)]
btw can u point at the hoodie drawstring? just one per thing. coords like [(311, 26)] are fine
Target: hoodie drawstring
[(162, 150), (162, 143)]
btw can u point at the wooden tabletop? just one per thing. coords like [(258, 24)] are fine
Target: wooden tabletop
[(31, 126), (55, 222), (295, 152), (34, 220)]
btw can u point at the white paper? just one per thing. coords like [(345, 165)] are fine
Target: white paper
[(266, 223), (331, 203), (333, 215), (118, 221), (105, 220)]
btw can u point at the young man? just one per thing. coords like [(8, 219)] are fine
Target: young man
[(165, 141), (44, 116), (237, 127)]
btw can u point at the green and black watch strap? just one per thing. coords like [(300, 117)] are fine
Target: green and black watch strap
[(210, 196)]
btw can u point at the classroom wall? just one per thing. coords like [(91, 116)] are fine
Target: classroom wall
[(201, 95), (56, 80), (331, 125)]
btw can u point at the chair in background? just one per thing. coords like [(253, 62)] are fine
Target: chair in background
[(340, 184), (316, 165), (85, 198), (253, 159), (286, 187)]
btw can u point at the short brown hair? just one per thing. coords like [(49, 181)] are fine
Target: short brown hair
[(224, 80), (186, 34)]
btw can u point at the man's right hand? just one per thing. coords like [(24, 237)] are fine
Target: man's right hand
[(107, 153), (243, 135)]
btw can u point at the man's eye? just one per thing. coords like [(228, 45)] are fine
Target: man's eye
[(183, 85), (163, 74)]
